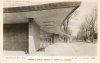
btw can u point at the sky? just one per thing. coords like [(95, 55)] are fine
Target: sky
[(16, 3), (84, 10)]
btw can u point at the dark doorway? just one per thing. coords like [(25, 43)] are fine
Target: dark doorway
[(15, 37)]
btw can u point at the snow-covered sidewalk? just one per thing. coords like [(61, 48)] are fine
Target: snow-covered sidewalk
[(72, 49), (62, 49)]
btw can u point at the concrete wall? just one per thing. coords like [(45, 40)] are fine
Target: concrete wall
[(34, 36), (15, 37)]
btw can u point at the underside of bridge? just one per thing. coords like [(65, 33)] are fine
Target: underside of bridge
[(47, 17)]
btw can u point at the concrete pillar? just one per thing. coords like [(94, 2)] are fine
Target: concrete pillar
[(56, 38), (34, 36)]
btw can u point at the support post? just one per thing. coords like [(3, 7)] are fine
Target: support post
[(34, 36)]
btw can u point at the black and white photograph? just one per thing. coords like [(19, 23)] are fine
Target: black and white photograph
[(50, 28)]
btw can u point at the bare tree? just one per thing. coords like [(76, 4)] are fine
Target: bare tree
[(66, 24), (87, 29)]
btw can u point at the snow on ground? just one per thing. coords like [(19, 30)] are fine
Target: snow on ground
[(71, 49), (61, 49), (14, 53), (22, 53)]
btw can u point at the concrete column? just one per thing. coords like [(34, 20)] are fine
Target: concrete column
[(56, 38), (34, 36)]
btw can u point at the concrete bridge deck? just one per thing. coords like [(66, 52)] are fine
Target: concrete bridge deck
[(50, 17)]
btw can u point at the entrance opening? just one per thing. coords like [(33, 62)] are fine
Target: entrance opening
[(15, 37)]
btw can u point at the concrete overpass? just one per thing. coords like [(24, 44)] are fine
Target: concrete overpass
[(48, 17)]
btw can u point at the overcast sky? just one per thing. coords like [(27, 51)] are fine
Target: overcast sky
[(16, 3), (84, 10)]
